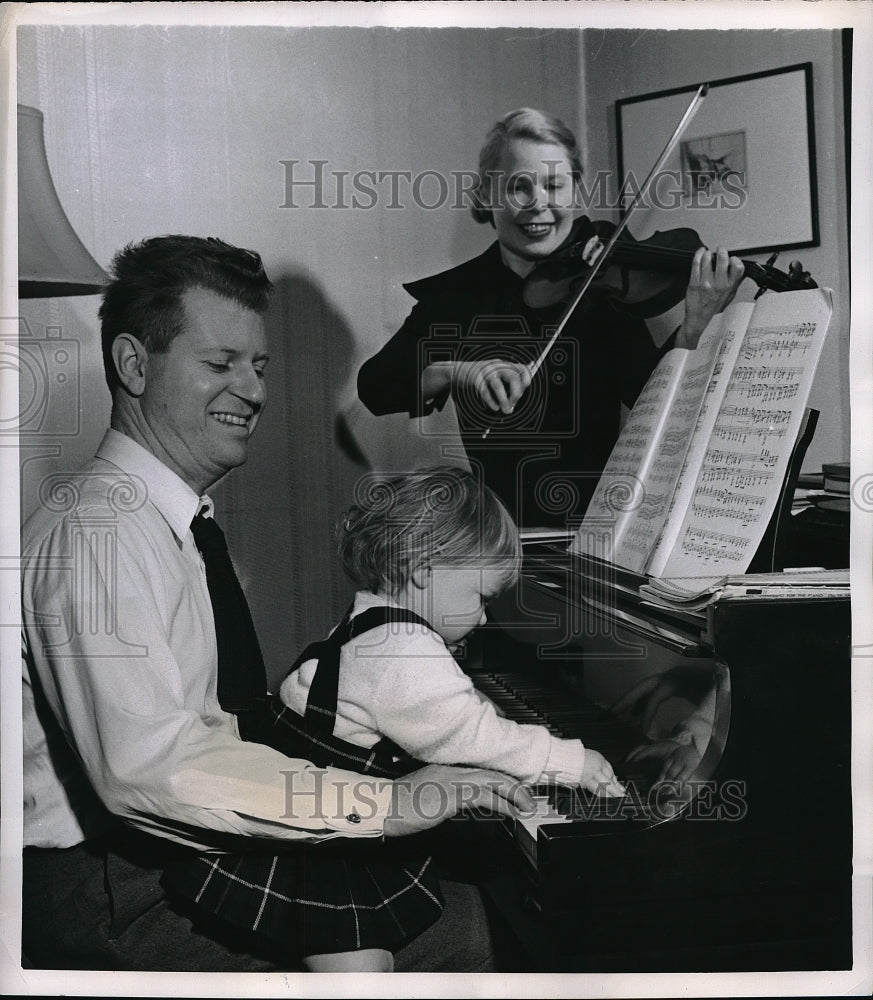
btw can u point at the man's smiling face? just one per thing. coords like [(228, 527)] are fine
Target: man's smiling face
[(204, 394)]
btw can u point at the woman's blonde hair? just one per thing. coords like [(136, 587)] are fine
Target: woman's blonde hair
[(438, 514), (523, 123)]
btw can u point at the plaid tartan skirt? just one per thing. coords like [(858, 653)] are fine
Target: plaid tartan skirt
[(316, 899), (342, 894)]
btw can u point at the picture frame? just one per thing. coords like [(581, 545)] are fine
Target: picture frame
[(728, 178)]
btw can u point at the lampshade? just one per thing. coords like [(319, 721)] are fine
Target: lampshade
[(51, 258)]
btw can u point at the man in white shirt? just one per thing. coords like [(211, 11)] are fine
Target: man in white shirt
[(128, 755)]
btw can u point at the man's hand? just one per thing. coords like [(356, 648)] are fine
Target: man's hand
[(426, 797)]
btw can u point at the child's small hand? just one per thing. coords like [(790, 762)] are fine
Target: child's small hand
[(598, 775)]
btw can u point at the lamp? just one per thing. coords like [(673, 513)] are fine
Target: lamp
[(51, 258)]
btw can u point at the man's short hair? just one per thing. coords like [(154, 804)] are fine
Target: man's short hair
[(144, 297)]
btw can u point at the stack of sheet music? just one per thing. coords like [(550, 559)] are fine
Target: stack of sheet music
[(695, 593)]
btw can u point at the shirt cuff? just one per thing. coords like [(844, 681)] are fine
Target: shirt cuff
[(565, 762), (308, 801), (356, 805)]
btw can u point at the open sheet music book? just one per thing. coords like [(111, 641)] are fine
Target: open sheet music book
[(697, 470)]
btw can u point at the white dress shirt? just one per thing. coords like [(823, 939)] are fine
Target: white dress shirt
[(119, 636)]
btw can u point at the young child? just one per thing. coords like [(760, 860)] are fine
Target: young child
[(381, 695), (438, 544)]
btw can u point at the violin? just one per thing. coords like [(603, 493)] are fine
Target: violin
[(643, 278), (647, 277)]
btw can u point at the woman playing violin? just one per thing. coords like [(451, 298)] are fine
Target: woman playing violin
[(541, 444)]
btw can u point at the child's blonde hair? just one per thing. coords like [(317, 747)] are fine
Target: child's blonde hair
[(438, 514)]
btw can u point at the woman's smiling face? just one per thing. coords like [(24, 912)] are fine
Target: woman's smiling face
[(533, 196)]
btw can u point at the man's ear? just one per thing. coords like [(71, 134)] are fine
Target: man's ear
[(420, 576), (131, 360)]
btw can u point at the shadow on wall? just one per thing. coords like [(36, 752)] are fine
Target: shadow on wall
[(395, 442), (307, 458), (282, 507)]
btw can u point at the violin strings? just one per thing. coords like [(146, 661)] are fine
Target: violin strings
[(649, 255)]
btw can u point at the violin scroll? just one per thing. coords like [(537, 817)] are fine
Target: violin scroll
[(768, 277)]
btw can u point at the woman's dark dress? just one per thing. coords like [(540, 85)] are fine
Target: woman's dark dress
[(545, 459)]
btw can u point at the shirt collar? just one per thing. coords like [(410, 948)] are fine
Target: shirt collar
[(173, 498)]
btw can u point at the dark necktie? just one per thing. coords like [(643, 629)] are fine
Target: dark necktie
[(241, 675)]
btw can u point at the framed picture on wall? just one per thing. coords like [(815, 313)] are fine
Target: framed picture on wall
[(743, 173)]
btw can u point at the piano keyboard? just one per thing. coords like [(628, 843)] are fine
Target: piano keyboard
[(570, 716)]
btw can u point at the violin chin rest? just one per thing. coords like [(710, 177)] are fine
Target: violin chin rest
[(542, 292), (552, 281)]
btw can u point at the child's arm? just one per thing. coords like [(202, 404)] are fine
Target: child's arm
[(596, 773), (429, 707), (487, 701)]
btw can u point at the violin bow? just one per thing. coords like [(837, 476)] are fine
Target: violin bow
[(690, 112)]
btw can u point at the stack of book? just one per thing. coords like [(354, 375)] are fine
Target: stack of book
[(835, 478), (829, 490)]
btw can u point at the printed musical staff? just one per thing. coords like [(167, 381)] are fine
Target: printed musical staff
[(728, 498), (652, 506), (740, 435), (718, 456), (674, 443), (705, 546), (745, 416), (778, 341), (704, 512), (737, 480)]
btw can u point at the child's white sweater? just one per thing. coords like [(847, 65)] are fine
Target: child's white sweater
[(401, 681)]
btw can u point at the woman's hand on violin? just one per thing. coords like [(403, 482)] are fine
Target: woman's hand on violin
[(715, 278), (498, 384), (593, 249)]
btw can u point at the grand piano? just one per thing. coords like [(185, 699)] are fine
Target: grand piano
[(743, 865)]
